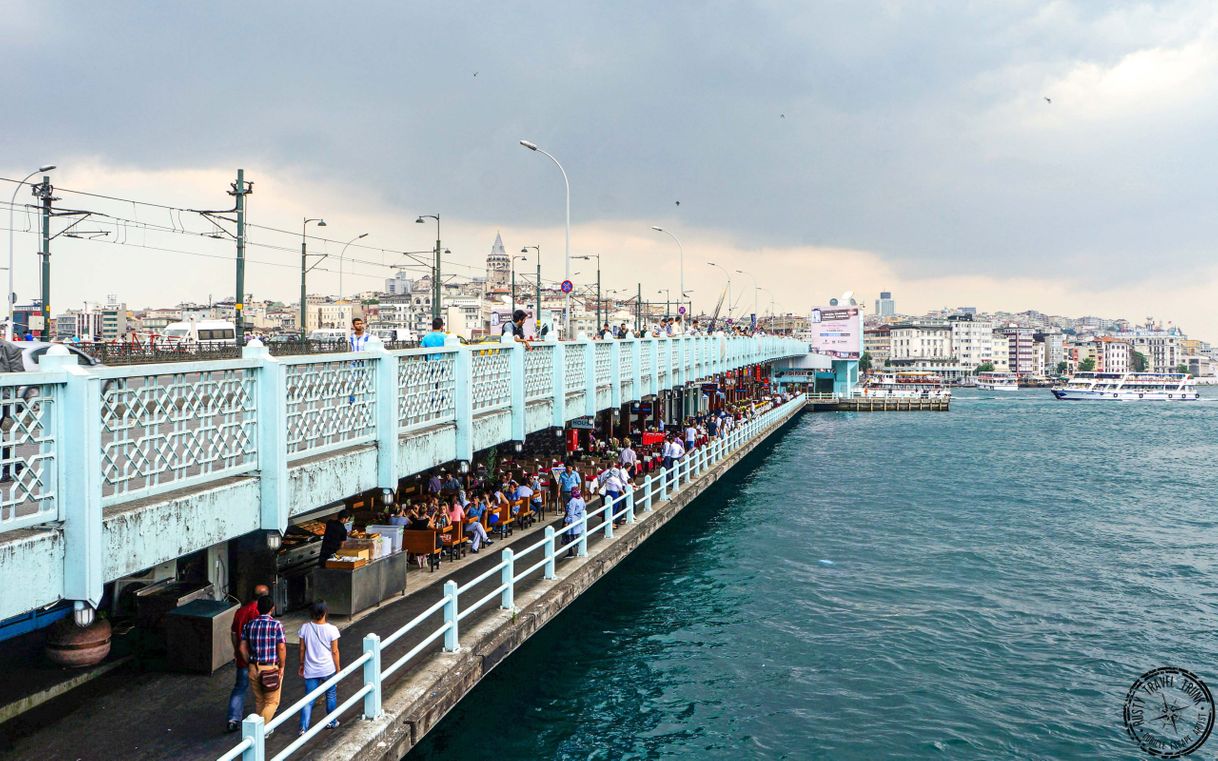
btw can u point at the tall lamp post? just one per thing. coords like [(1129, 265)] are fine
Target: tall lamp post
[(435, 278), (304, 271), (598, 285), (8, 332), (341, 254), (681, 262), (756, 317), (767, 290), (514, 258), (667, 299), (729, 287), (567, 183), (537, 308)]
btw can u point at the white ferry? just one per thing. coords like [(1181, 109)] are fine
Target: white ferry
[(907, 385), (994, 381), (1129, 387)]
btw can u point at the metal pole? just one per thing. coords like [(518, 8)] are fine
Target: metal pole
[(8, 333), (513, 285), (45, 190), (304, 253), (537, 316), (598, 293), (638, 310), (435, 298), (239, 300)]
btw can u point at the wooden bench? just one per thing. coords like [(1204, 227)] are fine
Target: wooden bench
[(503, 525), (423, 542), (455, 541)]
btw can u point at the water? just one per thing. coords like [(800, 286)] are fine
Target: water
[(981, 584)]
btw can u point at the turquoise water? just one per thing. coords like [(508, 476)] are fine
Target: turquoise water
[(980, 584)]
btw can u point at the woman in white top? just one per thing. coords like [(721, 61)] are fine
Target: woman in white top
[(318, 661)]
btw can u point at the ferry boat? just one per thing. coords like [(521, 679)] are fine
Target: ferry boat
[(994, 381), (1129, 387), (905, 385)]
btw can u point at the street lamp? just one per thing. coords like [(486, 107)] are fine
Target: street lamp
[(598, 285), (667, 298), (681, 264), (513, 262), (8, 332), (729, 287), (537, 308), (567, 183), (755, 318), (435, 277), (340, 261), (304, 258)]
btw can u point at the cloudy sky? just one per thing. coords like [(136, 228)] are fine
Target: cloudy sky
[(819, 146)]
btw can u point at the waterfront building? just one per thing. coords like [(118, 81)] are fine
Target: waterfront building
[(877, 342), (1161, 348), (106, 321), (1019, 349), (1051, 349), (972, 340), (400, 284), (885, 306)]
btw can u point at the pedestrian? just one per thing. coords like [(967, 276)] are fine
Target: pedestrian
[(613, 486), (265, 648), (691, 434), (515, 328), (568, 480), (358, 340), (629, 459), (319, 660), (337, 529), (575, 511), (434, 484), (236, 699)]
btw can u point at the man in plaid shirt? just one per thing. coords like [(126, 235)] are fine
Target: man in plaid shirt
[(265, 648)]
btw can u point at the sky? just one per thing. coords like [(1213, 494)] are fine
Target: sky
[(1006, 155)]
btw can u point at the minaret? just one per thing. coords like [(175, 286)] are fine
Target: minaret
[(498, 267)]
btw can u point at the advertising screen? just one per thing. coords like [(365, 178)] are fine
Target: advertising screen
[(837, 332)]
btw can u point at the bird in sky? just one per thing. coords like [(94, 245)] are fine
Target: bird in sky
[(782, 116), (678, 203), (1048, 99), (475, 74)]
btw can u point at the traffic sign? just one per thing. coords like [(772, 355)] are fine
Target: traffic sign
[(567, 286), (680, 310)]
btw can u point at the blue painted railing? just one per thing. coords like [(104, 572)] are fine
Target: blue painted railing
[(78, 443), (656, 488)]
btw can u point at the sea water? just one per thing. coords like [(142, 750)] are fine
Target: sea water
[(985, 583)]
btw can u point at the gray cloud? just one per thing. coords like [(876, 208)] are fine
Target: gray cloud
[(916, 130)]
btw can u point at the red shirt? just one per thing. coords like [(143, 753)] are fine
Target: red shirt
[(245, 614)]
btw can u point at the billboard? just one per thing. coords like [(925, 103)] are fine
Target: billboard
[(837, 332)]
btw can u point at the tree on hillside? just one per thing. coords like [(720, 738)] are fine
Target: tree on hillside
[(865, 362), (1138, 362), (1087, 365), (985, 367)]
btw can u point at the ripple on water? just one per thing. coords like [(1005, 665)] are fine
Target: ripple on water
[(1000, 575)]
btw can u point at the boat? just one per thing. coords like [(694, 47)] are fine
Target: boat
[(905, 385), (994, 381), (1129, 387)]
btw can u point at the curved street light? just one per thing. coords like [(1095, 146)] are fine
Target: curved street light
[(341, 254), (304, 271), (435, 270), (729, 286), (755, 317), (567, 183), (8, 332), (681, 262)]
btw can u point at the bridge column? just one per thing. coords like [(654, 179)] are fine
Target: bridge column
[(270, 383), (464, 377), (78, 473), (560, 383), (636, 358), (386, 379), (516, 362), (589, 374), (615, 374)]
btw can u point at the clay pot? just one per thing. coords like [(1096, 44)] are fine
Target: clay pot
[(74, 647)]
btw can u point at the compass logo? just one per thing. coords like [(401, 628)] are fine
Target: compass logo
[(1169, 712)]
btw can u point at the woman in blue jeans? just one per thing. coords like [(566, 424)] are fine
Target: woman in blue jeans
[(318, 661)]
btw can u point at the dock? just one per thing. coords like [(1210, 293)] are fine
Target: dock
[(831, 403)]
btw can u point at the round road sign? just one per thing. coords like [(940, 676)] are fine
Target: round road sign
[(680, 310), (567, 286)]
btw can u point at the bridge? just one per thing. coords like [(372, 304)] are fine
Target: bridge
[(109, 471)]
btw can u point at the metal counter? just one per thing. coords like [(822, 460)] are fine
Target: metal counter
[(348, 592)]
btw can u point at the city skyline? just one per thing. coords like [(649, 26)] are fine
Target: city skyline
[(983, 173)]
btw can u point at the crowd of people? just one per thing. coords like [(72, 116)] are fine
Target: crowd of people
[(676, 326)]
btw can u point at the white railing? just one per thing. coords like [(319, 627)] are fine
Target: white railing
[(427, 387), (509, 571), (29, 423), (491, 378)]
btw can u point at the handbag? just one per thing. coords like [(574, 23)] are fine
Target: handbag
[(269, 680)]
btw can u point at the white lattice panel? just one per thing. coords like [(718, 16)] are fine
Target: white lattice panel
[(27, 456), (539, 372), (604, 362), (162, 429), (330, 404), (492, 379), (574, 377), (427, 385)]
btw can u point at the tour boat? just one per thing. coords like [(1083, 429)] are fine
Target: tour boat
[(993, 381), (906, 385), (1129, 387)]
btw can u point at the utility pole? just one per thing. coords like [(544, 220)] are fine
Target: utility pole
[(240, 190), (638, 309), (45, 192)]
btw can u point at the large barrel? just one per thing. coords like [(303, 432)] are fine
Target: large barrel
[(74, 647)]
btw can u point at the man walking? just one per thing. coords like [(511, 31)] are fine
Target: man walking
[(236, 699), (358, 340), (568, 481), (265, 647)]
